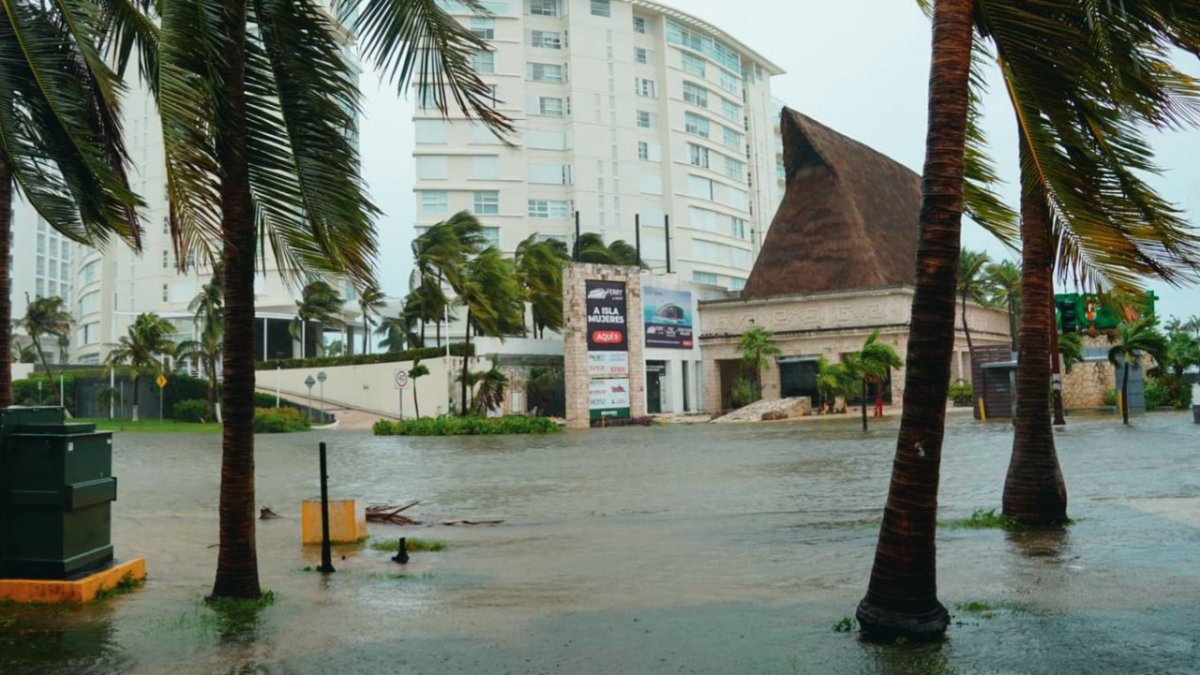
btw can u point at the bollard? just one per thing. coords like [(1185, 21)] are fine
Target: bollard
[(326, 553), (401, 556)]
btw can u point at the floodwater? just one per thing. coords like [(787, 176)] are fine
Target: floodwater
[(689, 549)]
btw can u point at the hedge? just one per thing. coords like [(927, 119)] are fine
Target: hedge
[(456, 349), (466, 426), (279, 420)]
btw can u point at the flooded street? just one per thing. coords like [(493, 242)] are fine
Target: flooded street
[(688, 548)]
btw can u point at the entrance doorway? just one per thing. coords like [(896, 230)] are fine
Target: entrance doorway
[(798, 377), (656, 372)]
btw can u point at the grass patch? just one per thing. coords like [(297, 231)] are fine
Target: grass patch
[(845, 625), (151, 426), (411, 543), (126, 584), (266, 599), (983, 520), (987, 609), (466, 426)]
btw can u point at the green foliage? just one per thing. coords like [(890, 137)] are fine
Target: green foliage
[(1110, 397), (844, 625), (590, 248), (264, 400), (743, 393), (279, 420), (456, 349), (540, 389), (191, 410), (983, 520), (126, 584), (539, 270), (962, 393), (1157, 394), (412, 544), (466, 426), (25, 392)]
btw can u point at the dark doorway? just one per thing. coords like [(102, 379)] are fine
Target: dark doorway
[(798, 377), (656, 372)]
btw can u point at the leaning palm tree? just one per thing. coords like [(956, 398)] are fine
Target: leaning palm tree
[(142, 349), (257, 100), (1004, 290), (833, 380), (489, 391), (590, 248), (757, 346), (972, 285), (540, 272), (370, 300), (870, 365), (487, 287), (1133, 340), (46, 316), (61, 142), (205, 351), (439, 255), (417, 371), (319, 306)]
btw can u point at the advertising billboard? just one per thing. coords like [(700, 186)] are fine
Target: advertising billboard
[(606, 316), (608, 398), (668, 317)]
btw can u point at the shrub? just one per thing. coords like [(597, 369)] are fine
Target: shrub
[(456, 349), (191, 410), (962, 393), (1157, 394), (742, 394), (465, 426), (1110, 397), (279, 420), (265, 400)]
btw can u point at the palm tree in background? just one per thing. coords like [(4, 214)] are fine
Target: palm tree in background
[(399, 333), (439, 256), (417, 371), (1070, 350), (320, 306), (489, 387), (61, 142), (21, 353), (972, 285), (46, 316), (1003, 284), (1183, 352), (370, 301), (206, 309), (757, 346), (871, 365), (833, 380), (487, 286), (590, 248), (1133, 340), (148, 340), (540, 273)]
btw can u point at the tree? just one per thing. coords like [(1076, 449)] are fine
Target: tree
[(206, 310), (1183, 352), (105, 398), (757, 346), (1133, 340), (61, 143), (370, 301), (439, 255), (398, 333), (489, 393), (256, 103), (1003, 283), (142, 349), (540, 273), (871, 365), (21, 353), (417, 371), (319, 306), (1070, 349), (971, 285), (833, 380), (487, 286), (590, 248), (46, 316)]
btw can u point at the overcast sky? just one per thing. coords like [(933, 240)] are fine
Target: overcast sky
[(860, 67)]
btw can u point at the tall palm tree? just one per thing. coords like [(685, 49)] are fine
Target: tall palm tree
[(590, 248), (46, 316), (833, 380), (148, 340), (417, 371), (1133, 340), (439, 254), (540, 272), (972, 285), (757, 346), (1183, 352), (20, 353), (487, 286), (370, 301), (206, 309), (61, 142), (871, 365), (1004, 290), (398, 333), (489, 391), (1070, 349), (320, 306), (256, 100)]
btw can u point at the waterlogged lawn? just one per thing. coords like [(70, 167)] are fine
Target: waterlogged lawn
[(151, 425)]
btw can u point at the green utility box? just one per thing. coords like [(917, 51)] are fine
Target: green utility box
[(56, 494)]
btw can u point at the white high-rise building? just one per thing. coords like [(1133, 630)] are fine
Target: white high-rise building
[(624, 109), (39, 265)]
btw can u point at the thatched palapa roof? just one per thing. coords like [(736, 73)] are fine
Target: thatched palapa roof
[(848, 218)]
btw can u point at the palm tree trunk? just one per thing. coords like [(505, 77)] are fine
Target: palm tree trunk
[(967, 330), (37, 345), (864, 404), (6, 192), (366, 329), (416, 399), (466, 362), (901, 597), (134, 416), (237, 562), (1034, 492), (1125, 393)]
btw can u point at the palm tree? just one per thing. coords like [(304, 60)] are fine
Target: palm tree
[(1003, 282), (489, 392), (417, 371), (1183, 352), (971, 285), (61, 143), (46, 316), (426, 301), (1070, 349), (20, 353), (398, 333), (487, 286), (370, 300), (206, 310), (590, 248), (142, 349), (1133, 340), (833, 380), (757, 346), (256, 102), (439, 254), (319, 306), (540, 270), (871, 365)]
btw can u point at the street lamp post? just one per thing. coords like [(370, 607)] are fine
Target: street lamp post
[(321, 377), (309, 382)]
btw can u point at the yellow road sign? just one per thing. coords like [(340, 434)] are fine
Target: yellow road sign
[(161, 380)]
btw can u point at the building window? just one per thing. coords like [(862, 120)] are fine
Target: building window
[(166, 260), (547, 208), (549, 174), (425, 97), (485, 167), (730, 83), (645, 119), (733, 140), (735, 169), (483, 62), (645, 87), (601, 8), (88, 273), (737, 227), (483, 27), (695, 125), (704, 278), (550, 106), (431, 131), (692, 64), (639, 24), (701, 188), (643, 150), (731, 111), (164, 292), (487, 203), (432, 167), (492, 235), (697, 155), (435, 202), (89, 303), (545, 39), (714, 49), (546, 72), (695, 95), (543, 7), (641, 56)]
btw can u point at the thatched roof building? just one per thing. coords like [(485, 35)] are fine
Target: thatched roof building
[(848, 218)]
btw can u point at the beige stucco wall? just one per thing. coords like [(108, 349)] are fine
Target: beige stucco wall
[(829, 325)]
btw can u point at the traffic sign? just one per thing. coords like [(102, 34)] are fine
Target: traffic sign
[(161, 380), (401, 379)]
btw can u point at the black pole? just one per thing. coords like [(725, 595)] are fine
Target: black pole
[(637, 235), (576, 252), (326, 553), (667, 234)]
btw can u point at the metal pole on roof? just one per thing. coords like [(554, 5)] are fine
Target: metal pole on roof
[(667, 237), (575, 255), (637, 235)]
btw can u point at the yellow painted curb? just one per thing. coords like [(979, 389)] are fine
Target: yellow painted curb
[(53, 592)]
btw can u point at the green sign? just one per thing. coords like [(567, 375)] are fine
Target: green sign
[(1091, 312)]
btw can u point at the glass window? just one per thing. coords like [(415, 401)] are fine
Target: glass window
[(643, 150), (601, 8), (546, 72), (546, 140), (545, 39), (692, 64), (483, 62), (695, 125), (704, 278), (166, 259), (547, 208), (695, 95), (701, 188), (645, 119), (740, 258), (431, 131), (432, 167), (707, 251), (89, 303), (714, 49), (730, 83), (485, 167), (487, 203), (492, 235), (737, 227), (164, 292), (435, 202), (735, 169), (550, 107), (731, 111), (732, 139), (640, 55), (543, 7), (41, 265), (482, 135), (483, 27), (639, 24), (697, 155), (89, 271), (645, 87)]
